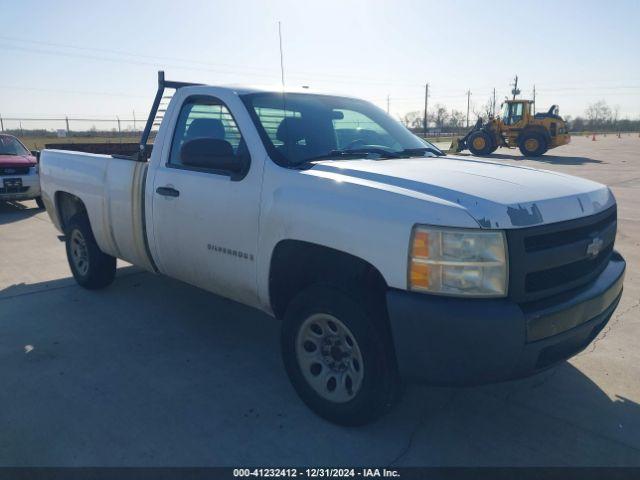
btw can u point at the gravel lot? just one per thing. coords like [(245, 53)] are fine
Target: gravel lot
[(154, 372)]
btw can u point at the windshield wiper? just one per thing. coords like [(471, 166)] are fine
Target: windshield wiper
[(351, 153), (416, 151)]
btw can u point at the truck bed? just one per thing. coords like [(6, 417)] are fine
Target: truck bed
[(112, 190)]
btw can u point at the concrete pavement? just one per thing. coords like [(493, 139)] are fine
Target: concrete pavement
[(153, 372)]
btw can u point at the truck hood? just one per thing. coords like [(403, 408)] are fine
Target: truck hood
[(494, 194), (17, 161)]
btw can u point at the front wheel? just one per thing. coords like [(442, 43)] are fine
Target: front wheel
[(338, 356), (92, 268), (480, 143), (39, 203)]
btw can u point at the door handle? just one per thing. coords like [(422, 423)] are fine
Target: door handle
[(168, 191)]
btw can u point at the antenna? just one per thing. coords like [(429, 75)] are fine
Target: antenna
[(281, 55), (425, 120)]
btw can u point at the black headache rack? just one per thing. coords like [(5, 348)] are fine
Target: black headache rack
[(140, 151), (144, 148)]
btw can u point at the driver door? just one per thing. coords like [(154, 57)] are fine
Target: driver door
[(205, 221)]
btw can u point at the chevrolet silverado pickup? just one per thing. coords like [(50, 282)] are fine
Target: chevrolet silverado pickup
[(385, 259)]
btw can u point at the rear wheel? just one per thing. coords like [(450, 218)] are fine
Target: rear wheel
[(338, 356), (92, 268), (532, 144), (480, 143)]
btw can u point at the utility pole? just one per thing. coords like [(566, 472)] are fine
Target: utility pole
[(66, 119), (468, 105), (534, 99), (515, 90), (1, 124), (134, 120), (493, 105), (119, 131), (426, 104), (387, 104)]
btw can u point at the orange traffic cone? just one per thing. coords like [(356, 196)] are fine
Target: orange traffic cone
[(593, 139)]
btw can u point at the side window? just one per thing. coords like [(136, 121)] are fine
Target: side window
[(206, 119), (516, 112), (355, 129)]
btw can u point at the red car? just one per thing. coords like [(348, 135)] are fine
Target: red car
[(19, 179)]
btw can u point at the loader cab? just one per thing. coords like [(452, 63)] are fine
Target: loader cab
[(515, 112)]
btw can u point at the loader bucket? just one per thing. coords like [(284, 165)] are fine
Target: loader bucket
[(455, 147)]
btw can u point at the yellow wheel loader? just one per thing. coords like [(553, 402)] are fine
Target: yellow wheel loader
[(516, 127)]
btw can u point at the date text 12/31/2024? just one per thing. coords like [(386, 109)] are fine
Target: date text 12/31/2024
[(316, 473)]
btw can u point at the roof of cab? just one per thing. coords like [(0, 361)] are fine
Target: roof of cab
[(249, 89)]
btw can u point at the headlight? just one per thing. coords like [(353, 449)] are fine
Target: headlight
[(458, 262)]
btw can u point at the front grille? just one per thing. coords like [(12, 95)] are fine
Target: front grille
[(565, 274), (14, 170), (534, 243), (551, 259)]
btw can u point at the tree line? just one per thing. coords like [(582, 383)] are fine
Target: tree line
[(598, 116)]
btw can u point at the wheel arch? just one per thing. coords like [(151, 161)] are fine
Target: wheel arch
[(67, 206), (297, 264)]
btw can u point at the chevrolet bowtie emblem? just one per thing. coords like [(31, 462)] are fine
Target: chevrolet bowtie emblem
[(593, 249)]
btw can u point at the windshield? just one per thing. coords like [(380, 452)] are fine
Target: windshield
[(505, 111), (11, 146), (298, 128)]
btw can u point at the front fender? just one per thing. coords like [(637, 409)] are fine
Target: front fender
[(351, 216)]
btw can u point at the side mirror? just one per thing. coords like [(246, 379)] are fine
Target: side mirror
[(213, 154)]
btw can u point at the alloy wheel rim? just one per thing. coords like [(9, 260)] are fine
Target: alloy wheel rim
[(330, 358), (79, 252)]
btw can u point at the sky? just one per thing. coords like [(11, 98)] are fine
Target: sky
[(99, 59)]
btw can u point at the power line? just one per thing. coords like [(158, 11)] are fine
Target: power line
[(71, 92), (125, 61), (224, 69)]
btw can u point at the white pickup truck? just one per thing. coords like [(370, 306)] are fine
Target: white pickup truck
[(385, 259)]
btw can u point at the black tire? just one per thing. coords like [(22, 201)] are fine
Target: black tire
[(97, 270), (39, 202), (379, 386), (493, 149), (532, 144), (480, 143)]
